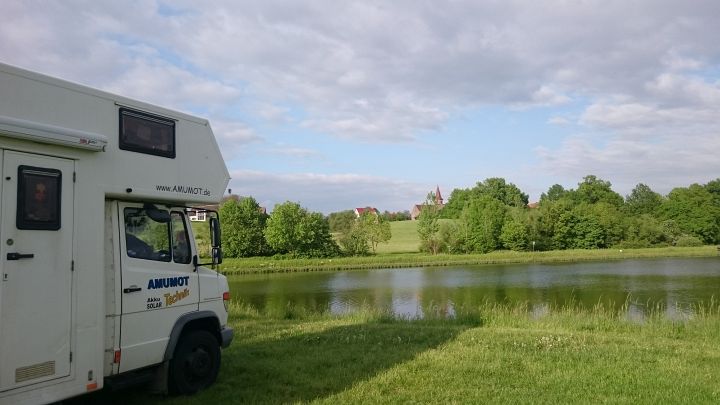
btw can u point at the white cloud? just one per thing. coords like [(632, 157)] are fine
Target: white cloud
[(295, 152), (668, 135), (327, 192), (233, 137), (162, 83), (666, 164), (412, 64), (273, 113), (643, 74), (558, 121), (546, 95)]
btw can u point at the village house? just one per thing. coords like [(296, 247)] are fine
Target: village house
[(371, 210), (199, 213)]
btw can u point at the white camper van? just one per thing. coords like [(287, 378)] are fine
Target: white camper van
[(100, 280)]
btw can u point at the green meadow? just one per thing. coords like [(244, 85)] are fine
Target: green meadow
[(496, 354), (404, 238)]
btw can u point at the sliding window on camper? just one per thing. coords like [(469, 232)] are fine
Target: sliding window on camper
[(147, 133)]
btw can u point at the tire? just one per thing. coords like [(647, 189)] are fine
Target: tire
[(195, 364)]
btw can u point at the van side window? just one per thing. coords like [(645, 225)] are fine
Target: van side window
[(146, 238), (146, 133), (181, 241), (38, 199)]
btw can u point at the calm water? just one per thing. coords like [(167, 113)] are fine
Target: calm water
[(673, 284)]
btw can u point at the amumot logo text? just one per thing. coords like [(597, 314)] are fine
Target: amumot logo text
[(183, 189), (168, 282)]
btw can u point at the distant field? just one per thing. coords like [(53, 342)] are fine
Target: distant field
[(404, 238)]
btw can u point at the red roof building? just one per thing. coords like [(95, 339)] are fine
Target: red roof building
[(359, 211)]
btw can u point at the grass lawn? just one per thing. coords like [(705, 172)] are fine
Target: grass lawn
[(496, 354), (404, 238)]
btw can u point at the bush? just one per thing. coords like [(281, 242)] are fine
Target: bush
[(688, 241)]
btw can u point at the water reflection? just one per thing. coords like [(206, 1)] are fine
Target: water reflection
[(672, 286)]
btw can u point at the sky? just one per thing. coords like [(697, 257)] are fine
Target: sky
[(342, 104)]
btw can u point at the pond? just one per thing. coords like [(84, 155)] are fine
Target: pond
[(675, 286)]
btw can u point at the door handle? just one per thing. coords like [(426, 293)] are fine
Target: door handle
[(18, 256), (132, 289)]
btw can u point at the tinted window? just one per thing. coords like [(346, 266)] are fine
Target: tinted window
[(146, 238), (147, 133), (181, 241), (38, 202)]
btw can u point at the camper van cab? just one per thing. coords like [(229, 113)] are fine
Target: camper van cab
[(100, 279)]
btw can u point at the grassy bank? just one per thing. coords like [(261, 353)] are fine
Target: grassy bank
[(271, 265), (492, 354)]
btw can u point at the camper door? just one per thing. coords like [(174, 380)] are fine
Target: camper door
[(159, 281), (36, 252)]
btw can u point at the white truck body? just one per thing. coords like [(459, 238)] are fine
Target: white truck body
[(78, 304)]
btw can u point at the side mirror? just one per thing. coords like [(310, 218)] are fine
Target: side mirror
[(215, 233), (217, 256)]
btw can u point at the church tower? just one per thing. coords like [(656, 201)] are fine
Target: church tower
[(438, 196)]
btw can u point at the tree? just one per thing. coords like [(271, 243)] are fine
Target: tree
[(243, 224), (292, 229), (644, 230), (610, 220), (713, 187), (396, 216), (592, 190), (577, 230), (282, 230), (452, 237), (342, 221), (428, 225), (514, 235), (354, 241), (494, 187), (554, 193), (314, 233), (642, 200), (507, 193), (378, 229), (457, 201), (484, 218), (366, 232), (694, 212)]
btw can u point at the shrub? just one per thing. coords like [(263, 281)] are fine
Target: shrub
[(688, 241)]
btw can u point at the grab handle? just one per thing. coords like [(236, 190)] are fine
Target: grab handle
[(18, 256), (132, 289)]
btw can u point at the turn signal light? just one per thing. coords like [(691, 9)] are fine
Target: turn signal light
[(226, 300)]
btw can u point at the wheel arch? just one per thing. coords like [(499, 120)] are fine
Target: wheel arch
[(202, 320)]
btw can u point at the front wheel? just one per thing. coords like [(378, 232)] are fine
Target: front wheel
[(195, 364)]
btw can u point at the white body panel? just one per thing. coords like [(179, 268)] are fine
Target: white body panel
[(63, 313), (50, 103)]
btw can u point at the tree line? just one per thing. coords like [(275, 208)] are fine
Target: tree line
[(492, 215), (495, 215), (294, 231)]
